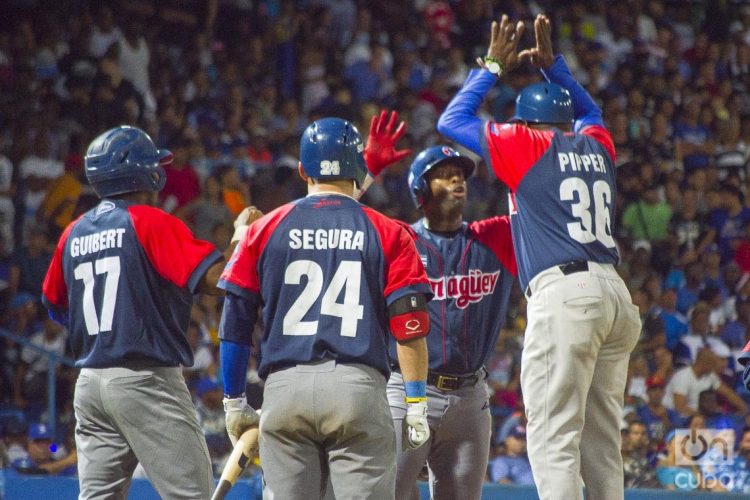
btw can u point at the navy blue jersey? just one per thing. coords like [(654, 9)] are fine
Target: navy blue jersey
[(471, 275), (562, 193), (325, 268), (126, 275)]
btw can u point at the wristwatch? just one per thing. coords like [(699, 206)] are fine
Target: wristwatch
[(493, 65)]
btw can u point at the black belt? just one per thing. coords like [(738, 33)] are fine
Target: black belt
[(447, 382), (574, 266)]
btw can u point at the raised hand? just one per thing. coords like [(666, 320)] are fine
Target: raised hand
[(381, 144), (542, 56), (504, 38)]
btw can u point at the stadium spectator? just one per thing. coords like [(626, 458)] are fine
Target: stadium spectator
[(657, 418), (683, 390), (513, 467), (638, 469)]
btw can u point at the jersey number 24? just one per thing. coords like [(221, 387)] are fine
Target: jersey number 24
[(347, 278)]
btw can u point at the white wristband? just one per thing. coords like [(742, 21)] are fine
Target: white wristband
[(236, 404)]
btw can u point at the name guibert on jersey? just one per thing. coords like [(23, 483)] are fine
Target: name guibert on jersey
[(95, 242), (325, 239)]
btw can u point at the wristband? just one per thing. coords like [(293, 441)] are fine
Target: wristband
[(416, 391)]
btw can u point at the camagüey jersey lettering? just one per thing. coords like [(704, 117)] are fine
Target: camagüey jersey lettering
[(471, 274)]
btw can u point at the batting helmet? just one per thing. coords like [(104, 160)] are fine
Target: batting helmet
[(331, 149), (425, 161), (544, 102), (124, 160)]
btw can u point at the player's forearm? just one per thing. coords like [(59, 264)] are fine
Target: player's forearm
[(585, 109), (459, 121), (212, 276), (412, 359), (234, 358)]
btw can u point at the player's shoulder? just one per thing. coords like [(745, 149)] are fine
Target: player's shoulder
[(388, 228), (270, 220)]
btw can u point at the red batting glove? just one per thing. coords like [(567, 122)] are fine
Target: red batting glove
[(381, 145)]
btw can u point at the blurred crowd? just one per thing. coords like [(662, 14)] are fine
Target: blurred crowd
[(229, 85)]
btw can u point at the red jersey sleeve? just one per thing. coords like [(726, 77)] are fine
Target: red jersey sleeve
[(495, 234), (602, 136), (170, 246), (403, 267), (240, 275), (514, 149), (54, 288)]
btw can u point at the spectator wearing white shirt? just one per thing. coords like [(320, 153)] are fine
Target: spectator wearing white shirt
[(699, 336), (31, 376), (104, 33), (683, 390), (37, 171)]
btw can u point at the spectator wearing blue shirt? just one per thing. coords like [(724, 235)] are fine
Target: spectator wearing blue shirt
[(693, 141), (675, 322), (728, 223), (734, 333), (687, 295), (737, 474), (513, 467), (657, 418)]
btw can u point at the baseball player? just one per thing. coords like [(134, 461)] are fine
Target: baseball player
[(122, 277), (471, 268), (559, 162), (333, 278)]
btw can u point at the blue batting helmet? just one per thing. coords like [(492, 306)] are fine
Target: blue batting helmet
[(425, 161), (544, 102), (331, 149), (124, 160)]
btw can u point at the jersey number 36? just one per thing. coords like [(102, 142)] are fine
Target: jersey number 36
[(593, 223)]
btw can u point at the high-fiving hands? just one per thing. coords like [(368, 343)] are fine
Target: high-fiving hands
[(381, 144), (504, 38)]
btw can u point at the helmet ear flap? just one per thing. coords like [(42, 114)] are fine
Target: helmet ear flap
[(421, 191)]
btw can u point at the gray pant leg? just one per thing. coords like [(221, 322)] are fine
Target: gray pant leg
[(461, 445), (362, 456), (153, 411), (458, 449), (327, 413), (105, 460)]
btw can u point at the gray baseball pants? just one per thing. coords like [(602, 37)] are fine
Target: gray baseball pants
[(459, 445), (127, 415), (327, 418)]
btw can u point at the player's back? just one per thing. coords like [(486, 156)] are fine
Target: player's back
[(565, 199), (326, 265), (122, 309)]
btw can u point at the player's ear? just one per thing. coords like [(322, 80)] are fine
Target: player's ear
[(301, 172)]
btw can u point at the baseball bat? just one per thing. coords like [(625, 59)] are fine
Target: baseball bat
[(242, 454)]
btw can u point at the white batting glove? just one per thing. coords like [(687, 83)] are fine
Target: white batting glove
[(244, 219), (239, 417), (416, 431)]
